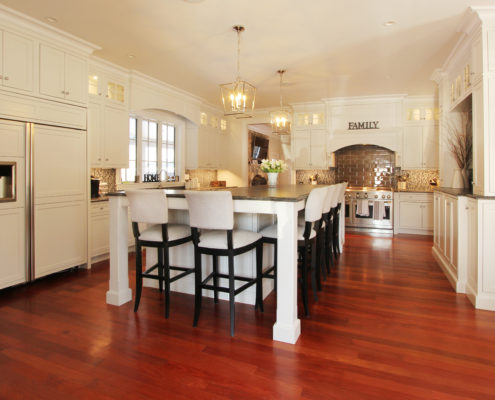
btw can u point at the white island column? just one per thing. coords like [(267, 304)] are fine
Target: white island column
[(287, 327), (119, 291)]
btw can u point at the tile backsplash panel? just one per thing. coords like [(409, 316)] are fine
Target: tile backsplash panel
[(419, 179), (107, 175), (365, 165), (323, 176), (205, 176)]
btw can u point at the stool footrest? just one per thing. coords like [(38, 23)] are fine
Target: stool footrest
[(249, 282)]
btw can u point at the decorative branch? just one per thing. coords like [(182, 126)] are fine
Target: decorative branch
[(460, 139)]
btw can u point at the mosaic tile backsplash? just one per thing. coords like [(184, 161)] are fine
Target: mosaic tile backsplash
[(323, 176), (106, 175), (205, 176), (419, 179), (365, 165)]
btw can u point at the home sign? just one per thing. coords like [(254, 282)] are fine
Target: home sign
[(363, 125)]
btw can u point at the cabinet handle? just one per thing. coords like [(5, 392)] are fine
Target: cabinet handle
[(6, 78), (467, 208), (63, 91), (99, 159), (67, 93), (99, 94), (106, 159)]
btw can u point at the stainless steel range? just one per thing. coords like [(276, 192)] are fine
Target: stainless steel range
[(370, 208)]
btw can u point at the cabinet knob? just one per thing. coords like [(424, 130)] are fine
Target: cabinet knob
[(63, 91), (106, 159), (6, 78), (99, 94), (67, 93), (99, 159)]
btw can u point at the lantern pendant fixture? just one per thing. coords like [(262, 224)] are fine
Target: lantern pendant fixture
[(280, 119), (238, 97)]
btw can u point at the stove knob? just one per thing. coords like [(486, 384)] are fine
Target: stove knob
[(388, 196), (366, 195), (383, 196), (358, 195), (376, 196)]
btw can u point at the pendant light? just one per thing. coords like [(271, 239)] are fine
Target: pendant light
[(238, 96), (280, 119)]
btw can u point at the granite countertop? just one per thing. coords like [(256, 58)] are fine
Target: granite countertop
[(414, 191), (462, 192), (279, 193), (100, 198)]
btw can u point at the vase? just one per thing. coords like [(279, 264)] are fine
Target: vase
[(457, 181), (465, 178), (272, 178)]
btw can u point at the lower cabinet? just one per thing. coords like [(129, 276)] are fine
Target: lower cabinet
[(60, 236), (413, 213), (99, 229), (12, 248)]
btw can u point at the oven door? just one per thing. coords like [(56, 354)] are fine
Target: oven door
[(383, 214), (362, 213)]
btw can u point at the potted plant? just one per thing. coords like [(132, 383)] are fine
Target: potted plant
[(272, 168)]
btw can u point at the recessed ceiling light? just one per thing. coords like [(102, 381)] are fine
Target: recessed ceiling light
[(389, 23), (131, 56), (193, 1), (51, 20)]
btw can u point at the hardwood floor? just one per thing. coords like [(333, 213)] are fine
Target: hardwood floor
[(387, 326)]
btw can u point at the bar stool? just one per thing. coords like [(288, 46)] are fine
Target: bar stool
[(327, 217), (151, 207), (337, 206), (306, 242), (212, 212)]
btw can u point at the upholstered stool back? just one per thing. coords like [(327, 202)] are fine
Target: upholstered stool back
[(210, 210), (148, 206)]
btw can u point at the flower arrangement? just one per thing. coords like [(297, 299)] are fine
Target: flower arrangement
[(460, 140), (273, 165)]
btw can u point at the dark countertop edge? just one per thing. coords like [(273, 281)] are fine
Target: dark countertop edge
[(462, 193), (414, 191), (235, 197)]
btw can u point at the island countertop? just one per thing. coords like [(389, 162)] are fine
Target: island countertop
[(279, 193)]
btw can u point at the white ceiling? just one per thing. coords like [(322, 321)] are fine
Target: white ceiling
[(328, 47)]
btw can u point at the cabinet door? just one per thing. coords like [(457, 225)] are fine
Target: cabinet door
[(95, 134), (60, 236), (52, 72), (116, 137), (203, 147), (410, 215), (478, 141), (76, 85), (412, 147), (213, 148), (430, 146), (318, 156), (100, 230), (12, 239), (59, 160), (427, 215), (437, 220), (301, 149), (472, 246), (17, 62), (451, 230)]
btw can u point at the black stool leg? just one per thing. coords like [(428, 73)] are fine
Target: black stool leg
[(160, 269), (314, 272), (139, 278), (304, 283), (259, 277), (197, 289), (215, 278), (167, 280), (231, 294), (275, 259)]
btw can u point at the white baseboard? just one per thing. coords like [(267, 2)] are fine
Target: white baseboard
[(459, 286)]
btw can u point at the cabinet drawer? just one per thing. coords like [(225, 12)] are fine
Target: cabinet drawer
[(99, 208), (420, 197)]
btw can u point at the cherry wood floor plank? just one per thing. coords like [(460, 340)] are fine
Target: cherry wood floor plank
[(387, 326)]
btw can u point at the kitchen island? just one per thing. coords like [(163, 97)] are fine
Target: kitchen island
[(283, 201)]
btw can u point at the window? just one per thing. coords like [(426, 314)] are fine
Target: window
[(151, 150)]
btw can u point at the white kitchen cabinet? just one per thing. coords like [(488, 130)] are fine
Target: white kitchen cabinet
[(63, 76), (108, 132), (16, 62), (208, 147), (420, 146), (99, 228), (309, 148), (12, 250), (109, 87), (449, 227), (471, 239), (60, 236), (413, 213)]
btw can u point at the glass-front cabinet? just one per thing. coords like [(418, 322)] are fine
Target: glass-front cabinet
[(107, 87)]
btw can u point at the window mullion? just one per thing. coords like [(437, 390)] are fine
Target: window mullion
[(139, 149)]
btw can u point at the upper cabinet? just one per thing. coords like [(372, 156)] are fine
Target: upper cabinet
[(110, 88), (309, 138), (16, 62), (62, 75)]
